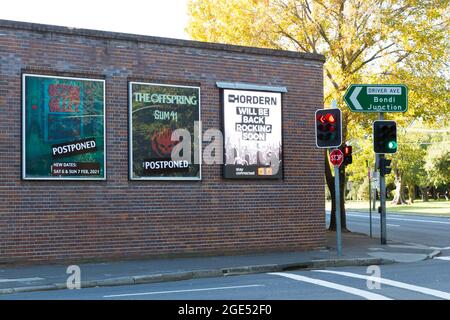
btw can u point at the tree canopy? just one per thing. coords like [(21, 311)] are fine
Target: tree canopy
[(370, 41), (364, 41)]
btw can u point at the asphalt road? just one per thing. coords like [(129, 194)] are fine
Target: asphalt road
[(422, 280), (427, 230)]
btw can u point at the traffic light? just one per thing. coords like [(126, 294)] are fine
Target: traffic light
[(385, 166), (328, 128), (347, 155), (384, 136)]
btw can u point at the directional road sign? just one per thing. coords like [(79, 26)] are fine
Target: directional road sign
[(377, 98)]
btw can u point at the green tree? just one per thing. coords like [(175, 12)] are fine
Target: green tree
[(408, 170), (371, 41), (437, 164), (422, 160)]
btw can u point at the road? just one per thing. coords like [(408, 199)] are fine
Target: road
[(428, 230), (423, 280)]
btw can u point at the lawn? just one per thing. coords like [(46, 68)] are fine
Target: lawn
[(432, 207)]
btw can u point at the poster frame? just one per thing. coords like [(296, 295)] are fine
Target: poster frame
[(130, 134), (222, 103), (23, 131)]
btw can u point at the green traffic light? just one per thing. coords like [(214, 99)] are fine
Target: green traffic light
[(392, 145)]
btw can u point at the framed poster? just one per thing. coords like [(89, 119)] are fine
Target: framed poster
[(252, 134), (157, 113), (63, 128)]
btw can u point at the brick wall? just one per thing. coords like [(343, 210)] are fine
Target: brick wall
[(50, 221)]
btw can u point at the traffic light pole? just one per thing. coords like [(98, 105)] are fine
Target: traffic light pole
[(329, 135), (383, 204), (338, 211), (383, 226)]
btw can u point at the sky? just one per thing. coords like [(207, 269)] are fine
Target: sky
[(163, 18)]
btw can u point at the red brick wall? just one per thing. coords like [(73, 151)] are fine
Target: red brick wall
[(42, 221)]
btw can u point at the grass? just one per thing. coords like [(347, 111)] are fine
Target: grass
[(432, 207)]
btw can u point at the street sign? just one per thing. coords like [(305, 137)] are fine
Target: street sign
[(377, 98), (336, 157), (375, 184), (375, 180)]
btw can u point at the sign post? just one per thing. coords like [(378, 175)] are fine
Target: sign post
[(336, 158), (329, 135), (379, 98), (375, 186)]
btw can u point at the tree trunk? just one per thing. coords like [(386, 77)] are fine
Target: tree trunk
[(411, 193), (424, 191), (330, 183), (433, 193), (399, 188)]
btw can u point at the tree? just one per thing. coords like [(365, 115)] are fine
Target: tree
[(422, 160), (437, 164), (371, 41), (409, 170)]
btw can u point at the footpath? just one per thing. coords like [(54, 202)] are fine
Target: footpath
[(358, 250)]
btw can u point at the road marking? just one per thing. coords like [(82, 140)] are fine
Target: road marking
[(443, 258), (417, 246), (20, 280), (398, 284), (399, 219), (362, 293), (180, 291), (392, 225), (438, 248), (405, 246)]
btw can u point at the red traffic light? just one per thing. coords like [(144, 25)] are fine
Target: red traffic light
[(328, 128), (326, 118), (348, 159), (330, 118), (348, 150)]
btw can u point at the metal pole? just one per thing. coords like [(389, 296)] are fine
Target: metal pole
[(338, 201), (383, 225), (370, 198), (338, 211), (374, 204), (374, 198), (383, 206)]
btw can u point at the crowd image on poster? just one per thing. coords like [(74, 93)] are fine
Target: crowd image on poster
[(63, 128), (252, 134), (156, 111)]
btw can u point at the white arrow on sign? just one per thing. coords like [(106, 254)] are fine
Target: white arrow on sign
[(353, 97)]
